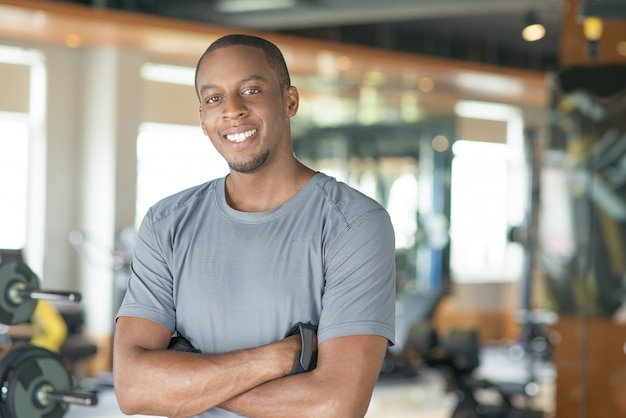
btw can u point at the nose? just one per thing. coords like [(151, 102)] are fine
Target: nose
[(234, 107)]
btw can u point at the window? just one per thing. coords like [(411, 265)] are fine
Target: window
[(488, 197), (403, 209), (22, 156), (13, 179)]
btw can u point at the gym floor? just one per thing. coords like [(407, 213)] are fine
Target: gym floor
[(402, 397)]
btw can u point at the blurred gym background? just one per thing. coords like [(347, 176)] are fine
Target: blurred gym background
[(493, 131)]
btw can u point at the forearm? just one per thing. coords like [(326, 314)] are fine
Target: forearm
[(341, 385), (303, 395), (162, 382)]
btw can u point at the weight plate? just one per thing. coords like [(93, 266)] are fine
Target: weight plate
[(8, 363), (13, 275), (33, 370)]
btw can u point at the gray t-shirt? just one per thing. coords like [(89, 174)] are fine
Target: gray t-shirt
[(228, 280)]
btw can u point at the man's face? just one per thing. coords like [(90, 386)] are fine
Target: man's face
[(243, 109)]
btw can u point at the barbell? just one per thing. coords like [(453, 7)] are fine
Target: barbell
[(36, 384), (19, 293)]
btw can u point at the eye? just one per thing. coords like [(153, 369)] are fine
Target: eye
[(251, 90), (212, 99)]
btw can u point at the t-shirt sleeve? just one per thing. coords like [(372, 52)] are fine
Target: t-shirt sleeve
[(149, 293), (360, 290)]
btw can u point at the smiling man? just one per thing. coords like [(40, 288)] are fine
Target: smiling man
[(233, 264)]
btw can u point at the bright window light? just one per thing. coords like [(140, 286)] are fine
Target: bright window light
[(238, 6), (485, 110), (20, 56), (402, 207), (168, 74), (488, 197), (23, 163), (13, 180), (478, 217)]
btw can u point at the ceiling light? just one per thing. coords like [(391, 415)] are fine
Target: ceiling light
[(592, 27), (533, 31), (73, 40), (426, 84), (238, 6)]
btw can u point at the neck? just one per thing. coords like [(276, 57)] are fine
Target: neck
[(263, 191)]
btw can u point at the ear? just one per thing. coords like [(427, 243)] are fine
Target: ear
[(292, 100)]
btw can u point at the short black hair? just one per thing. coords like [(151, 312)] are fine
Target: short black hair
[(271, 51)]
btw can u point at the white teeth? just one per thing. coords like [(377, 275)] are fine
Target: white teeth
[(240, 137)]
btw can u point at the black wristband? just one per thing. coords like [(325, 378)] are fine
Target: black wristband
[(180, 343), (307, 356)]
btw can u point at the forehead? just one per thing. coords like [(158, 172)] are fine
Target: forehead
[(236, 62)]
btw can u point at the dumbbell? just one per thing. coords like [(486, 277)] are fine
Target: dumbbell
[(35, 384), (19, 293)]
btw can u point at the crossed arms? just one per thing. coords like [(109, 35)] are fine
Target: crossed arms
[(151, 380)]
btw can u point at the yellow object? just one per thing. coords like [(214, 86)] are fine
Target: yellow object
[(50, 329), (592, 27)]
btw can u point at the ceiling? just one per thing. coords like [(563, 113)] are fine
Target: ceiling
[(487, 31)]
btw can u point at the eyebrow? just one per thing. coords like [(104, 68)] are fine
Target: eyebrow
[(253, 77)]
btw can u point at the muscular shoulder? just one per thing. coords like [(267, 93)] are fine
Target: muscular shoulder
[(348, 202), (182, 202)]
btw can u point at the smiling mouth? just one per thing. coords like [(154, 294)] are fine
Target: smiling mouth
[(241, 136)]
